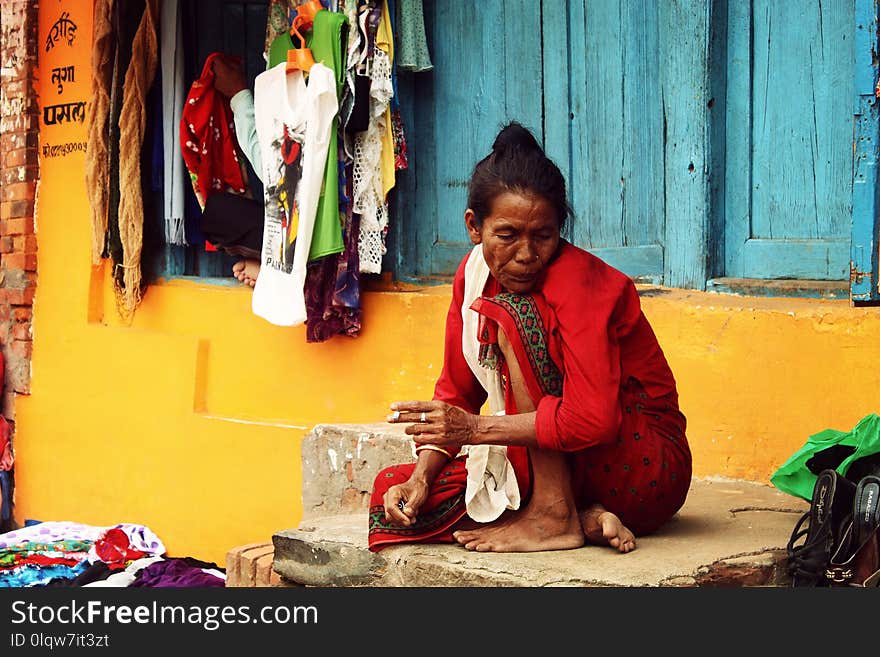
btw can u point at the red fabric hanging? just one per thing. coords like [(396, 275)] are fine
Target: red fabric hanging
[(208, 142)]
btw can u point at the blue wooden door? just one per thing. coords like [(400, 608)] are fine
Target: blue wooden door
[(697, 138), (583, 75), (605, 129), (865, 252), (788, 165), (487, 71)]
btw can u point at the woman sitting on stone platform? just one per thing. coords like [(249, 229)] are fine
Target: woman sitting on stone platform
[(584, 440)]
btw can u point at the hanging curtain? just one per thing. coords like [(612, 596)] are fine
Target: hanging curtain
[(98, 148), (124, 60), (173, 94), (132, 124)]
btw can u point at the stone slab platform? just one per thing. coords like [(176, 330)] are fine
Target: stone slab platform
[(729, 533)]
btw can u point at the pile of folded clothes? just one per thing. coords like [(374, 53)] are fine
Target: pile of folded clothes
[(73, 554)]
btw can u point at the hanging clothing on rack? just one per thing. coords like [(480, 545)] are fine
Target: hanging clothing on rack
[(325, 42), (332, 286), (385, 45), (277, 23), (354, 107), (293, 121), (400, 159), (374, 148), (334, 307), (412, 44), (333, 282)]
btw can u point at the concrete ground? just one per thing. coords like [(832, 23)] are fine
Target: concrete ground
[(729, 533)]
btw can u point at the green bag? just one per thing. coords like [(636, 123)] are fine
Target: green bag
[(837, 450)]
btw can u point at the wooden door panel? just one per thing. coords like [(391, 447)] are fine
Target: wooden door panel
[(487, 71), (789, 139), (865, 253), (604, 127)]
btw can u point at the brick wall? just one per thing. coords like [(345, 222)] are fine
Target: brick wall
[(19, 173), (251, 566)]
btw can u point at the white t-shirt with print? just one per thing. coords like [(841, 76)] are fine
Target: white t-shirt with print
[(294, 117)]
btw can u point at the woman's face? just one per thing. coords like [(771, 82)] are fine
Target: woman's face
[(519, 237)]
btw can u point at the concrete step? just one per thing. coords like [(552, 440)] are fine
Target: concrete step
[(340, 461), (729, 533)]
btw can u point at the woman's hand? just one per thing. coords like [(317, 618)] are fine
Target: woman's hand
[(403, 501), (437, 423)]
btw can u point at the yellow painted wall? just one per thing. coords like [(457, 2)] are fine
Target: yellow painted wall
[(190, 419), (758, 376)]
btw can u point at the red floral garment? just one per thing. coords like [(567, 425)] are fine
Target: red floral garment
[(207, 140)]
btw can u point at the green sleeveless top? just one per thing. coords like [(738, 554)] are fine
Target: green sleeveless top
[(325, 41)]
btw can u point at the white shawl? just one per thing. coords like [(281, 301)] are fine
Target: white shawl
[(491, 482)]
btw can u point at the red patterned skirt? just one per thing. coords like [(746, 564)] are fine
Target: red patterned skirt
[(443, 508)]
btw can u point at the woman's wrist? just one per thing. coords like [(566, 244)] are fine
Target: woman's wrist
[(429, 463), (517, 429), (486, 429), (434, 448)]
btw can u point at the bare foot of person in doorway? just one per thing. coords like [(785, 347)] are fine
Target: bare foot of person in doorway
[(601, 527), (247, 271)]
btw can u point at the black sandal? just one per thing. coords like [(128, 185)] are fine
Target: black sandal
[(827, 520), (856, 561)]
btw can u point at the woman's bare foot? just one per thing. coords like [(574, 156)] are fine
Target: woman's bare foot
[(601, 527), (247, 271), (527, 530)]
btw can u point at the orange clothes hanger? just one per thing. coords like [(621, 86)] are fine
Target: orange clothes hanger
[(299, 58), (306, 12)]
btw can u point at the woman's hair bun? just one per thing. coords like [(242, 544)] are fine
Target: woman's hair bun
[(515, 137), (518, 164)]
